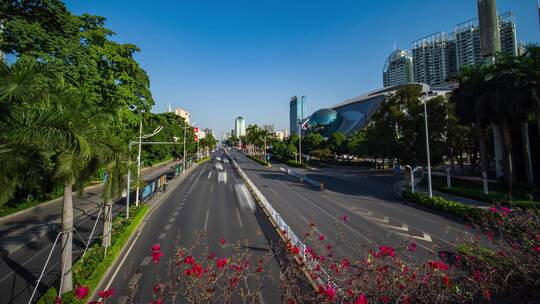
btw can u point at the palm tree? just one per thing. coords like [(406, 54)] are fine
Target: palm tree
[(49, 115), (466, 98)]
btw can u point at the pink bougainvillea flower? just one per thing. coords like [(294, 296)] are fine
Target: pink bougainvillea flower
[(446, 281), (386, 251), (506, 209), (156, 247), (260, 269), (412, 247), (490, 235), (81, 292), (345, 218), (321, 237), (328, 247), (220, 263), (189, 260), (362, 299), (384, 299), (295, 250), (493, 209), (158, 287), (107, 293), (156, 255), (222, 241), (486, 294), (438, 265), (233, 282), (345, 263), (406, 299), (330, 292), (211, 256), (537, 249), (197, 270), (158, 301), (58, 301)]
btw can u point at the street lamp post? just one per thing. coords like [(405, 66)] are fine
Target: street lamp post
[(425, 99), (138, 164)]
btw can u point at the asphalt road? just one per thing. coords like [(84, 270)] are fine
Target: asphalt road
[(26, 241), (376, 215), (212, 200)]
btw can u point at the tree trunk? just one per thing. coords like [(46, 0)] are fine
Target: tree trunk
[(67, 239), (107, 223), (508, 159), (527, 152), (482, 148)]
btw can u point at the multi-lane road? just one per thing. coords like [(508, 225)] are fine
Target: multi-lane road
[(26, 240), (374, 212), (213, 199)]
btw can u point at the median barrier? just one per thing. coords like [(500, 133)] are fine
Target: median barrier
[(304, 259), (303, 178)]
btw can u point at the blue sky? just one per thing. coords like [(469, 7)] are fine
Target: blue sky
[(221, 59)]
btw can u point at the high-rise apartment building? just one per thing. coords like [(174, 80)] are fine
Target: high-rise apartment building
[(398, 68), (438, 57), (270, 128), (434, 59), (297, 112), (239, 126)]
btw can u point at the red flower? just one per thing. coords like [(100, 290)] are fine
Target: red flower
[(330, 292), (189, 260), (158, 287), (537, 249), (156, 255), (158, 301), (187, 272), (406, 299), (295, 250), (345, 263), (506, 210), (493, 209), (446, 280), (198, 270), (321, 237), (345, 218), (438, 265), (362, 299), (220, 263), (233, 282), (58, 301), (211, 256), (81, 292), (156, 247), (106, 293), (487, 294), (386, 251), (260, 269), (412, 247), (222, 241), (384, 299)]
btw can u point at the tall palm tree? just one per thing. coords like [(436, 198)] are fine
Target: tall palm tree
[(471, 85)]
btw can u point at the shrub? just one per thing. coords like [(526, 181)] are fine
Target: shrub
[(262, 162), (296, 164), (446, 206)]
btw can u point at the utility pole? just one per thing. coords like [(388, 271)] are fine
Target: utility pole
[(138, 164)]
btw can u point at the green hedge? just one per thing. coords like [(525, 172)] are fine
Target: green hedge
[(202, 160), (90, 270), (262, 162), (296, 164), (446, 206)]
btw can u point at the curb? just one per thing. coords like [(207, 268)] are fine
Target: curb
[(133, 237)]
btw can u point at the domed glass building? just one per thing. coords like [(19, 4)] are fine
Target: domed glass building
[(324, 121)]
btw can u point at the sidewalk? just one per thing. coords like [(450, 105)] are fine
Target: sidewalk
[(399, 187), (29, 225)]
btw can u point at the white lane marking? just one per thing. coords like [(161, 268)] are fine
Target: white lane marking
[(171, 220), (161, 236), (167, 227), (196, 180), (239, 219), (184, 199), (206, 219), (146, 261), (222, 177), (211, 188), (210, 175), (175, 213)]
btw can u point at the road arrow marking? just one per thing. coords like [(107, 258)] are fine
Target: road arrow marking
[(426, 236), (404, 227)]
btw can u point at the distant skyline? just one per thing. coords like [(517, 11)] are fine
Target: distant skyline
[(220, 60)]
